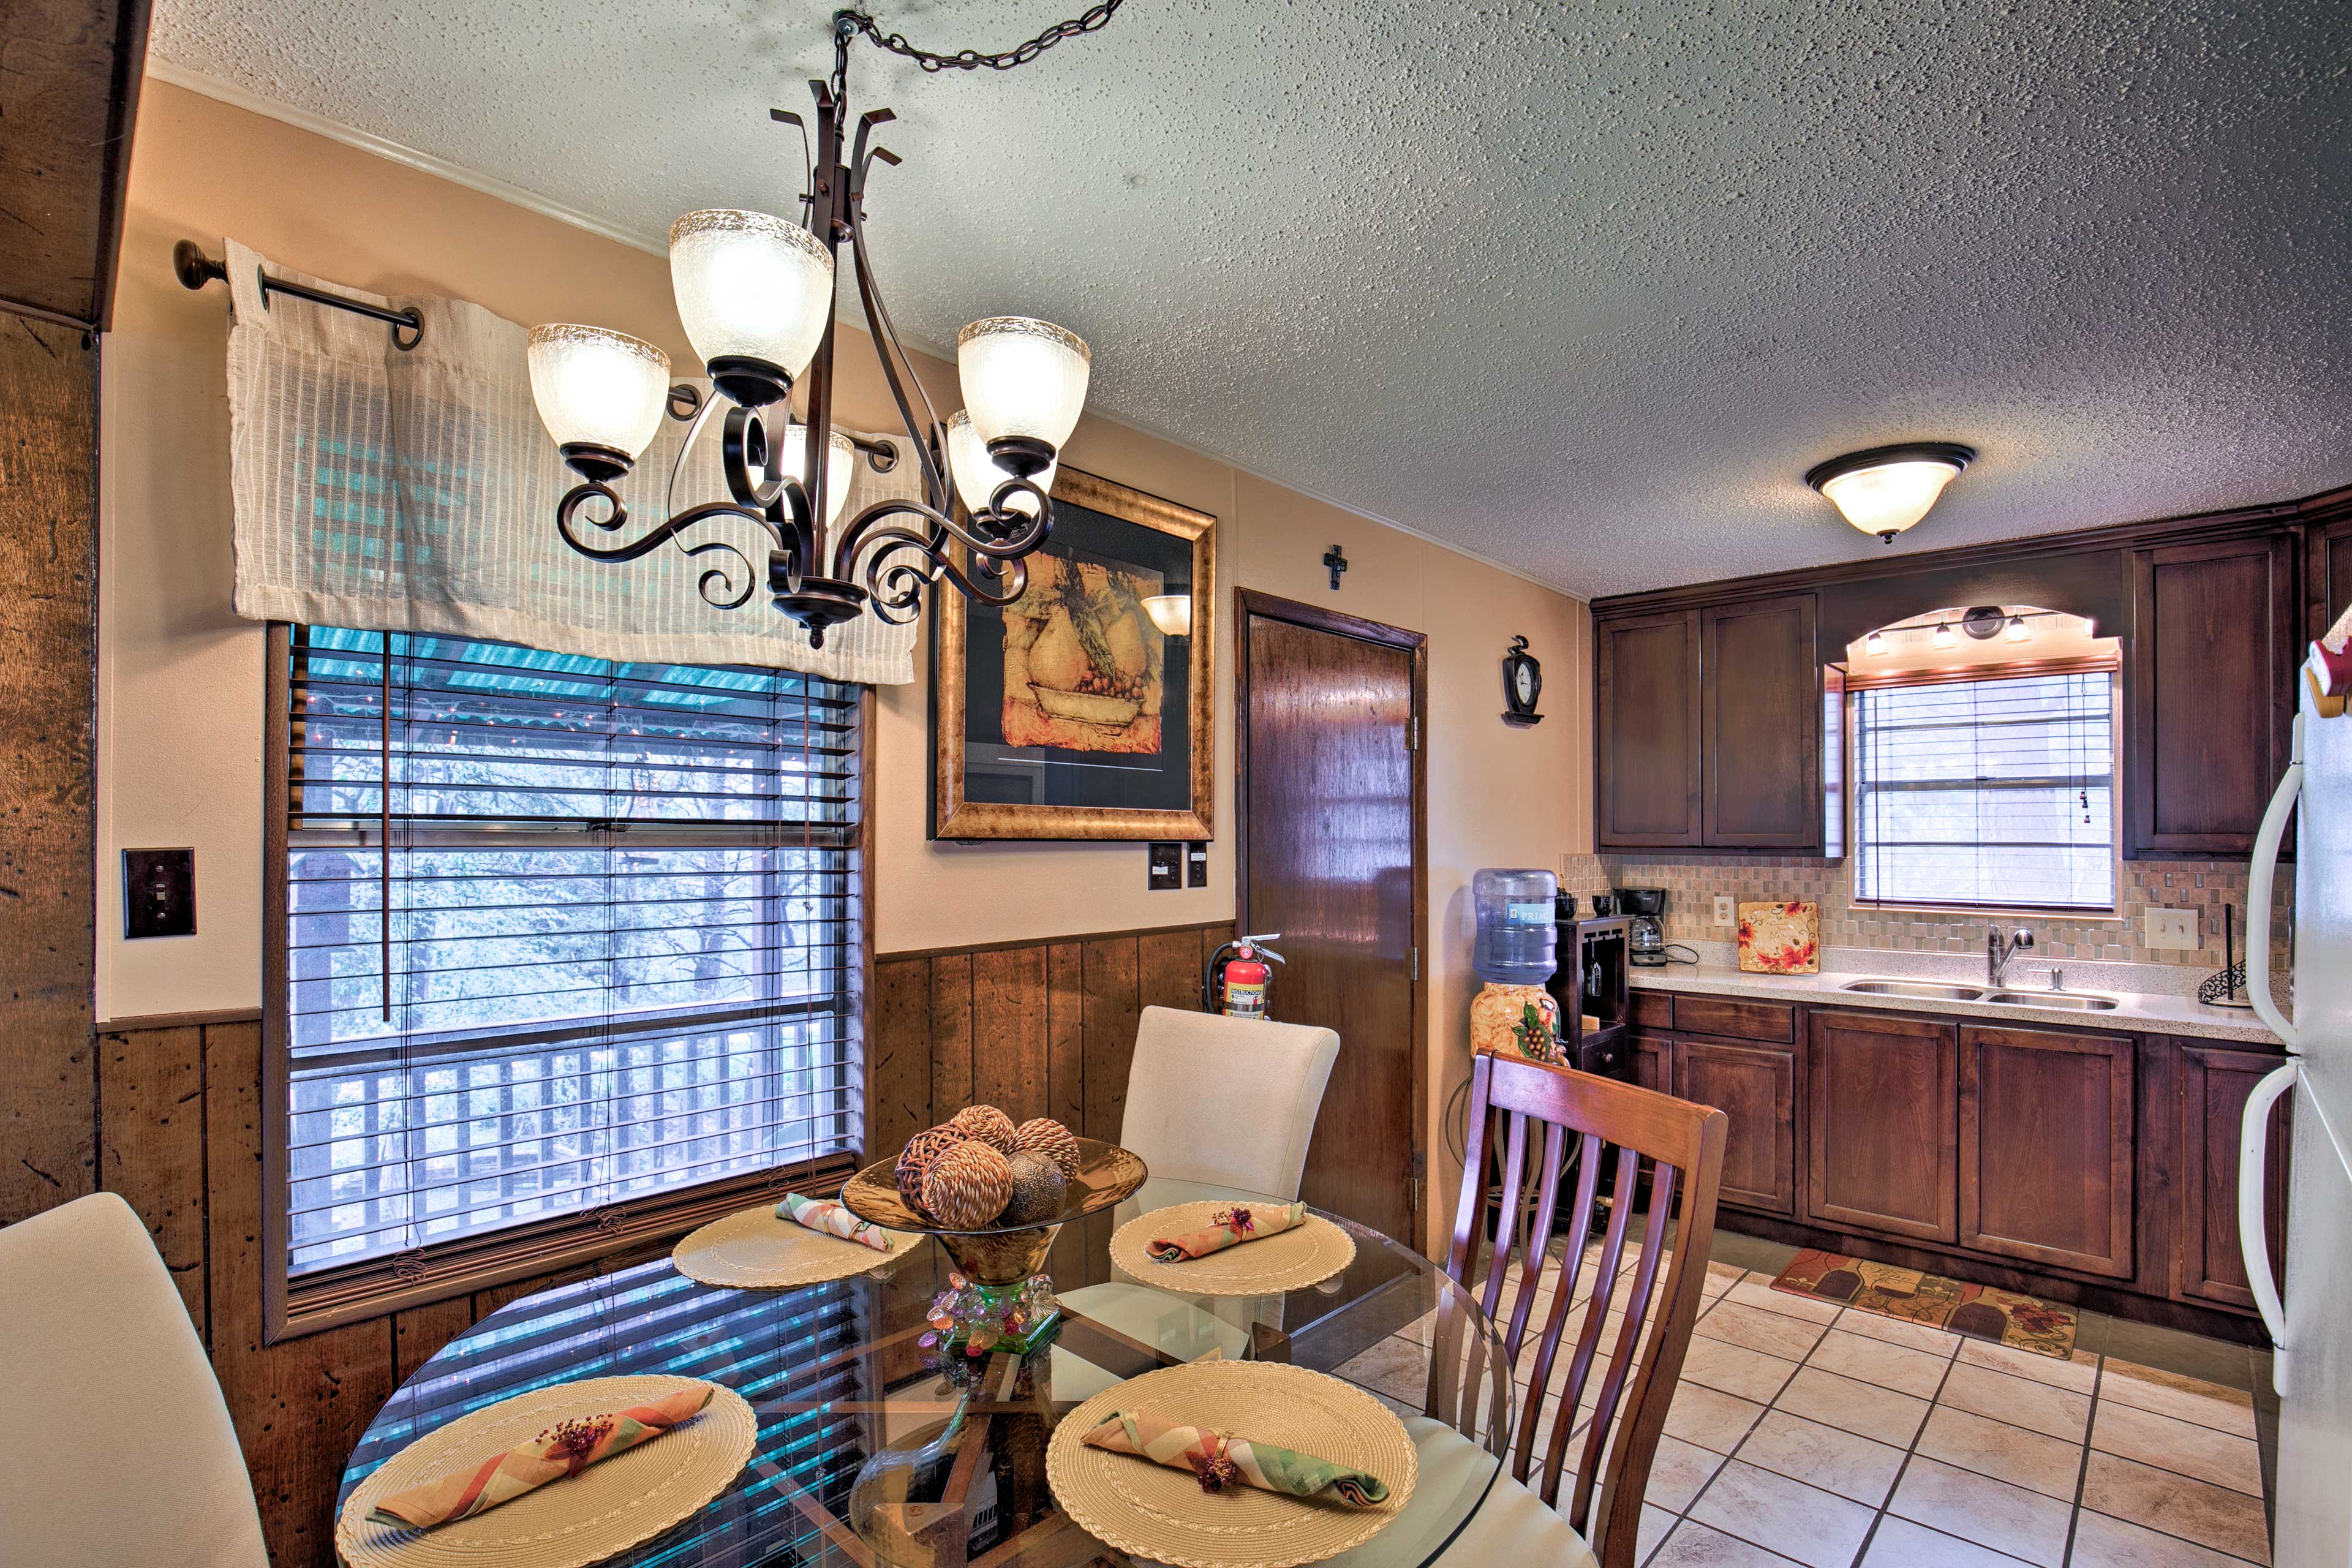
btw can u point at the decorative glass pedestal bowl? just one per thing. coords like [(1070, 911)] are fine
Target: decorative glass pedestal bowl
[(1003, 1302)]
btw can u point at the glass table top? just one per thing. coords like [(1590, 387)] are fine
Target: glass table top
[(861, 1424)]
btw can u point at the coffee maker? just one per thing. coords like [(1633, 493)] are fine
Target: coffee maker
[(1646, 943)]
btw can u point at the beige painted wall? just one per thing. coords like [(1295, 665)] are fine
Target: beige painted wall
[(181, 679)]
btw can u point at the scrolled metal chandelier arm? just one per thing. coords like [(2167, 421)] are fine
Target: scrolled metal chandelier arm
[(756, 294)]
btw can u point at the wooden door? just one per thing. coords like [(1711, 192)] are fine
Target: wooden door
[(2046, 1147), (2213, 652), (1760, 726), (1330, 813), (1646, 730), (2207, 1265), (1756, 1087), (1885, 1089)]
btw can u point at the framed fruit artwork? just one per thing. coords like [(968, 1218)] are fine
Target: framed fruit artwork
[(1782, 938), (1080, 708)]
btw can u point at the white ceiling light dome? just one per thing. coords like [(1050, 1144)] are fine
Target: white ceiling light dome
[(1887, 489)]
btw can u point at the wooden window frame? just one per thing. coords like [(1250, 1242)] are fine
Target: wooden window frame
[(331, 1298)]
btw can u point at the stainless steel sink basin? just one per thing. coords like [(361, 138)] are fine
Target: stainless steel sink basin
[(2072, 1000), (1928, 990)]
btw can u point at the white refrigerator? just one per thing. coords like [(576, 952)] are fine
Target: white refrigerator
[(2312, 1365)]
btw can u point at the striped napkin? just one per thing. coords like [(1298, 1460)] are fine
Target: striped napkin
[(564, 1449), (1219, 1458), (1232, 1226), (833, 1220)]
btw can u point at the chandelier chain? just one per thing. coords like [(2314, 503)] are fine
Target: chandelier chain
[(1094, 20)]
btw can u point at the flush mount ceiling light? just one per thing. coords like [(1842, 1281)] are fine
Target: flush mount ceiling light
[(1888, 488), (756, 295)]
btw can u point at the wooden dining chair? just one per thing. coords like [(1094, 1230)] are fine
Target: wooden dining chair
[(1550, 1123)]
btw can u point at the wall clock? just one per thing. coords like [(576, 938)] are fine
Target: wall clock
[(1522, 684)]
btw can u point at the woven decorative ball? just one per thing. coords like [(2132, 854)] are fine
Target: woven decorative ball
[(967, 1186), (986, 1122), (921, 1150), (1044, 1135), (1038, 1189)]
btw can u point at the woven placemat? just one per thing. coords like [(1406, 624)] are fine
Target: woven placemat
[(1306, 1253), (605, 1509), (1155, 1510), (755, 1250)]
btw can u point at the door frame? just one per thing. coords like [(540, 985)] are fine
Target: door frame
[(1250, 602)]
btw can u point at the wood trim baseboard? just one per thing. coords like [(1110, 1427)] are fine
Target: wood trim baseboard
[(176, 1020), (1084, 936)]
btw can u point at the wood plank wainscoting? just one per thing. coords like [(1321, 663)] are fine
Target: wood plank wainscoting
[(175, 1113)]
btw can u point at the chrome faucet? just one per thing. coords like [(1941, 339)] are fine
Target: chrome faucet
[(1999, 953)]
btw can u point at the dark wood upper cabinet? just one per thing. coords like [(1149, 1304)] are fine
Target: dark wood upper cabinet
[(1883, 1136), (2214, 644), (2207, 1265), (1756, 1087), (1646, 730), (2327, 575), (1760, 726), (2047, 1146)]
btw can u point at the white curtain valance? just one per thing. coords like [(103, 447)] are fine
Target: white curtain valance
[(392, 490)]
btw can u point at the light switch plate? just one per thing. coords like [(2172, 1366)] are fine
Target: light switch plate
[(2171, 928), (1196, 865), (1167, 865), (159, 893), (1723, 911)]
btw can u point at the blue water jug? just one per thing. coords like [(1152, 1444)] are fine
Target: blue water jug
[(1517, 939)]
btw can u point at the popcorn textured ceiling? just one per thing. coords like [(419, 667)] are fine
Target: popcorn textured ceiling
[(1581, 287)]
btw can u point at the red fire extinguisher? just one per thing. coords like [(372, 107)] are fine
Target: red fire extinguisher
[(1237, 980)]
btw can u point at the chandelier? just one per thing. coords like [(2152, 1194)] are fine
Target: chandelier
[(756, 293)]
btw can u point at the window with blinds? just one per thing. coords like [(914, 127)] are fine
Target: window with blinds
[(1997, 792), (593, 945)]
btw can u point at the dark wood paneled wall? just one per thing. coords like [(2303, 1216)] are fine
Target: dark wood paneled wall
[(48, 661), (1041, 1029), (174, 1126)]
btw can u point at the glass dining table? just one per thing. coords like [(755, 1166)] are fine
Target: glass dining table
[(862, 1426)]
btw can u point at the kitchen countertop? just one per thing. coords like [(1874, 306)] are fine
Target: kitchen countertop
[(2140, 1013)]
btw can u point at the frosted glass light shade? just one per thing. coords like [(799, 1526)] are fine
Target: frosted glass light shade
[(792, 458), (1171, 613), (1022, 378), (597, 388), (1890, 498), (750, 286), (977, 473)]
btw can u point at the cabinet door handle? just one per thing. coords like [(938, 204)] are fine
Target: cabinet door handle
[(2254, 1228)]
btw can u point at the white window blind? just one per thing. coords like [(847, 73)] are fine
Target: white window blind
[(594, 945), (1997, 792)]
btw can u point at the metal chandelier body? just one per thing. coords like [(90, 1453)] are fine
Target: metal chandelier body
[(756, 293)]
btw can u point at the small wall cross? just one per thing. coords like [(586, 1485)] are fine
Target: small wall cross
[(1337, 562)]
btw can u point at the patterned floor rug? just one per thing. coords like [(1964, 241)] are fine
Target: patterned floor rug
[(1981, 1311)]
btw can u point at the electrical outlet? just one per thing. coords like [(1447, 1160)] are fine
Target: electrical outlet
[(1723, 915), (2171, 928)]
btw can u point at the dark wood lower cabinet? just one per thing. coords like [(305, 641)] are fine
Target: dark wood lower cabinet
[(2207, 1265), (1653, 1063), (2046, 1147), (1882, 1143), (1756, 1087)]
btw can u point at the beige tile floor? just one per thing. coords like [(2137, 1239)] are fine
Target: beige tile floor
[(1807, 1433)]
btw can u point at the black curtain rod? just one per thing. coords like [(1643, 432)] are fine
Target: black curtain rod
[(195, 269)]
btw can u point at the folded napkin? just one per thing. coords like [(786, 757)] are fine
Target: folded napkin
[(1219, 1457), (818, 1214), (1233, 1226), (564, 1449)]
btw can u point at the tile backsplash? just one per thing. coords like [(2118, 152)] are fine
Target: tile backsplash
[(1691, 881)]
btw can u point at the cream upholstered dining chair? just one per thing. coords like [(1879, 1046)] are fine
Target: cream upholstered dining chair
[(121, 1454), (1227, 1101), (1600, 1339)]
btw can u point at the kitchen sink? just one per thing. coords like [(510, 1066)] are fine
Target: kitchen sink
[(1927, 990), (2070, 1000)]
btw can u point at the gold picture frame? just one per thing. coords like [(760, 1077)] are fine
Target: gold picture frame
[(968, 802)]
